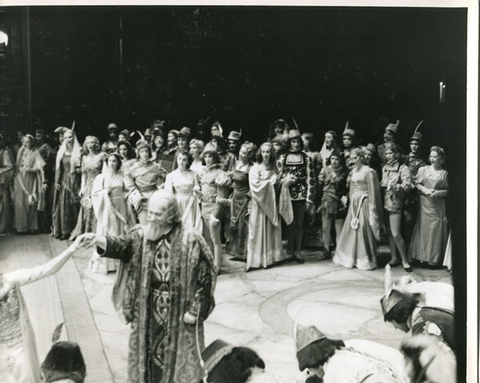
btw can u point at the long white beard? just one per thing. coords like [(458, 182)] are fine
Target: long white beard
[(153, 231)]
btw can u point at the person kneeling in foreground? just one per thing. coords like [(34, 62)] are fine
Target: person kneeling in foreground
[(64, 364), (429, 360), (353, 361), (226, 363)]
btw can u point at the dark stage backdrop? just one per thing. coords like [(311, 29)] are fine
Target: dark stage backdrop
[(245, 66)]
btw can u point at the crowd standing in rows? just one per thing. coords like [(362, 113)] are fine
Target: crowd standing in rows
[(174, 201)]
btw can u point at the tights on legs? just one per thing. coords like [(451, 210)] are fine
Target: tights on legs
[(295, 229)]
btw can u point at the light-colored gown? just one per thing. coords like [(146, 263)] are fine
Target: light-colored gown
[(28, 183), (264, 246), (91, 167), (18, 350), (430, 236), (358, 247), (182, 184), (113, 215)]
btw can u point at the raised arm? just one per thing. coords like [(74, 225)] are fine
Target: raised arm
[(26, 276)]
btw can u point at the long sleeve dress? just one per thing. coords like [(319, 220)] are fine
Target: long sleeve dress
[(28, 183), (358, 246), (238, 214), (182, 184), (264, 246), (18, 350), (66, 202), (429, 238), (91, 167), (6, 175), (113, 215)]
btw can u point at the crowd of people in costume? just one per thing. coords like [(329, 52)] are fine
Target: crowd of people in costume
[(263, 204), (161, 207)]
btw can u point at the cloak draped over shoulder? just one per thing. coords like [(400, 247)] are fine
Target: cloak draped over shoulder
[(192, 285)]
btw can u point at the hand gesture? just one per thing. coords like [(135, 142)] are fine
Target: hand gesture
[(189, 318), (85, 240), (344, 200), (44, 187)]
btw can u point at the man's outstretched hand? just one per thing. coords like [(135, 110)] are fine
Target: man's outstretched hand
[(85, 240)]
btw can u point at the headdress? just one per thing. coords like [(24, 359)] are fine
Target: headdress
[(294, 133), (280, 138), (60, 130), (417, 136), (306, 336), (174, 132), (125, 132), (235, 135), (209, 148), (392, 128), (76, 153), (185, 133), (142, 144), (199, 144), (202, 122), (214, 353), (347, 132), (64, 361), (392, 297), (370, 148)]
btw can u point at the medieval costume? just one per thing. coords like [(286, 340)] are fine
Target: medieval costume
[(238, 211), (113, 215), (18, 350), (167, 278), (6, 175), (357, 245), (28, 185), (92, 165), (110, 145), (66, 201), (296, 171), (264, 246), (350, 361), (429, 238), (141, 180), (48, 155), (332, 186), (182, 184)]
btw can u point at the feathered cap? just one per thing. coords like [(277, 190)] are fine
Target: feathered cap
[(294, 133), (233, 135), (280, 138), (392, 297), (209, 148), (185, 133), (142, 144), (417, 136), (392, 128), (60, 130), (64, 361), (348, 132)]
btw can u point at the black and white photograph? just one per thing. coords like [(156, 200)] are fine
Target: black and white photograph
[(238, 192)]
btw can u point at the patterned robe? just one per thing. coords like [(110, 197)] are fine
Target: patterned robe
[(166, 279)]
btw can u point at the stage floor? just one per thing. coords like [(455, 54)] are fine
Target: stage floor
[(255, 309)]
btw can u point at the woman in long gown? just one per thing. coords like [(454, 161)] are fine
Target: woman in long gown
[(358, 242), (18, 350), (240, 202), (6, 175), (113, 215), (182, 182), (429, 238), (66, 202), (28, 182), (92, 163), (264, 246)]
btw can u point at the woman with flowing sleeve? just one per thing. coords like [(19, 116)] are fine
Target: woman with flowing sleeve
[(357, 245), (264, 246), (18, 350)]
